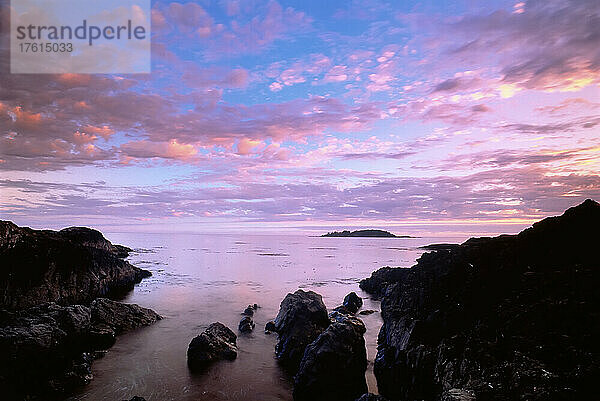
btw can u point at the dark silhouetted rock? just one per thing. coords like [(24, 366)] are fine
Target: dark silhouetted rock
[(440, 247), (71, 266), (246, 325), (269, 327), (120, 317), (371, 397), (455, 394), (380, 279), (367, 312), (217, 342), (363, 233), (352, 302), (343, 310), (249, 311), (48, 349), (510, 317), (302, 317), (333, 366)]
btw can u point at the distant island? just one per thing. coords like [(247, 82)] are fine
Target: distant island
[(364, 233)]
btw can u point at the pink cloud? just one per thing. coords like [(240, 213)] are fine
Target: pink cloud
[(245, 146), (336, 74), (165, 150)]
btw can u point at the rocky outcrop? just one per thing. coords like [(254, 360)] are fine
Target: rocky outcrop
[(217, 342), (510, 317), (71, 266), (352, 302), (48, 349), (250, 309), (302, 317), (270, 327), (380, 279), (52, 321), (111, 318), (333, 366), (246, 325)]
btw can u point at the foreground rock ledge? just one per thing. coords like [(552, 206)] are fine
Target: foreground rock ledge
[(49, 348), (511, 317), (53, 319)]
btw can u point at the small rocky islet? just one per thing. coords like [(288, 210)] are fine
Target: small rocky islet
[(364, 234), (510, 317)]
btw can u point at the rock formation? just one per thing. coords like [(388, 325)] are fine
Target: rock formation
[(363, 233), (52, 321), (217, 342), (333, 366), (510, 317), (70, 266), (352, 302), (327, 353), (302, 317), (246, 325), (49, 348)]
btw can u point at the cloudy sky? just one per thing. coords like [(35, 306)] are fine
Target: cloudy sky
[(307, 115)]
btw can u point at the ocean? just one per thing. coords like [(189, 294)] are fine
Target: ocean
[(199, 279)]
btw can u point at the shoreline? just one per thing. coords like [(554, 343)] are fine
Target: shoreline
[(395, 286)]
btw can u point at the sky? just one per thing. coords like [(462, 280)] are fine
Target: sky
[(292, 116)]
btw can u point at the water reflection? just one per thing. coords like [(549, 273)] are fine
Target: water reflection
[(200, 279)]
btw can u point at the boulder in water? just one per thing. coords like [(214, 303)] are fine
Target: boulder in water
[(217, 342), (352, 302), (246, 325), (302, 317), (333, 366)]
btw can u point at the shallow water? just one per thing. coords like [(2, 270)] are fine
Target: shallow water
[(199, 279)]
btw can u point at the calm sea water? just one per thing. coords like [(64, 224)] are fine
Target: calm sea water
[(200, 279)]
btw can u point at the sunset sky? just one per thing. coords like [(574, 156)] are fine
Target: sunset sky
[(310, 115)]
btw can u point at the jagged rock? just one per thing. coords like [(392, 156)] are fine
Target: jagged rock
[(352, 302), (136, 398), (101, 336), (343, 310), (121, 251), (71, 266), (380, 279), (367, 312), (249, 311), (456, 394), (121, 317), (333, 366), (302, 317), (215, 343), (246, 325), (48, 349), (371, 397), (270, 327), (515, 316)]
